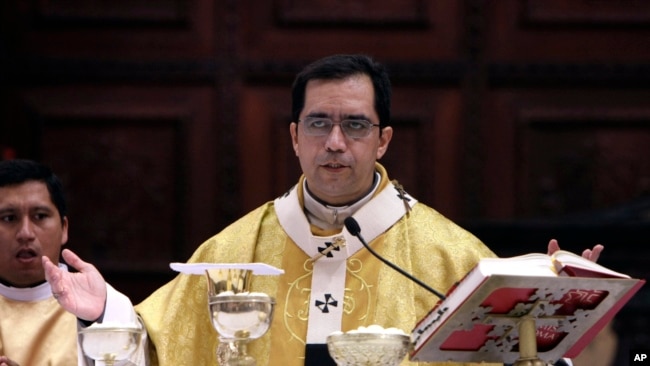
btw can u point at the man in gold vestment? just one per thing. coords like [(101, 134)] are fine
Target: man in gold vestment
[(34, 329), (340, 130)]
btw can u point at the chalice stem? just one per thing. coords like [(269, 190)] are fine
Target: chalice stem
[(241, 357), (234, 353)]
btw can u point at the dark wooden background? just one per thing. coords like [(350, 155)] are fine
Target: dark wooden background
[(167, 120)]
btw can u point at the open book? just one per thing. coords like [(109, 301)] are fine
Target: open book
[(570, 297)]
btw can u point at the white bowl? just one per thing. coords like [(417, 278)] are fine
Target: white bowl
[(109, 343), (358, 349)]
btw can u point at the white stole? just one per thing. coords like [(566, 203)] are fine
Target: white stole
[(329, 271)]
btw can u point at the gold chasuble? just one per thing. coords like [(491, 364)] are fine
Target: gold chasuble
[(34, 329), (422, 242)]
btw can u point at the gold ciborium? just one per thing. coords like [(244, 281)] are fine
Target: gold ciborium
[(110, 343), (239, 316)]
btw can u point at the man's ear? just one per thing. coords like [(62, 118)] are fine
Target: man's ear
[(293, 130), (64, 231), (384, 141)]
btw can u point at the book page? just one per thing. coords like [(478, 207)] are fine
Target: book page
[(561, 263), (532, 264), (571, 264)]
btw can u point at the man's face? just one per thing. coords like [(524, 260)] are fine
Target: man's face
[(339, 169), (30, 227)]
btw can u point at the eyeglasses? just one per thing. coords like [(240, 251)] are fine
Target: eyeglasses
[(352, 128)]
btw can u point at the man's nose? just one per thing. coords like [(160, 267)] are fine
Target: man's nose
[(26, 229), (336, 139)]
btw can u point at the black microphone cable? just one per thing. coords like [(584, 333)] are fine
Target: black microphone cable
[(353, 227)]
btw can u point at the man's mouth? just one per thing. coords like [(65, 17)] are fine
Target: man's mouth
[(334, 166), (26, 254)]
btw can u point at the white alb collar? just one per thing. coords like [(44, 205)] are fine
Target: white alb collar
[(36, 293), (332, 217)]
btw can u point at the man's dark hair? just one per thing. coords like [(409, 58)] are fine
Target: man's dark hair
[(340, 67), (18, 171)]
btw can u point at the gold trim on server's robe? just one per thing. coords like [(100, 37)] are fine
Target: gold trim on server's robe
[(426, 244)]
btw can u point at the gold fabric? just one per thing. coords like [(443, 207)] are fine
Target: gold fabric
[(38, 333), (425, 244)]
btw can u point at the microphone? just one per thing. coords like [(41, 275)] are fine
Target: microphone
[(353, 227)]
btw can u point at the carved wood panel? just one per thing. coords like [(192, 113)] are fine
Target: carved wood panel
[(567, 31), (113, 30), (305, 30), (565, 151), (132, 160)]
